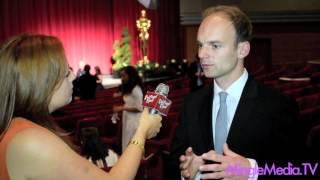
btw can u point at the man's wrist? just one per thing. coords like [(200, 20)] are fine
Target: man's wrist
[(253, 165)]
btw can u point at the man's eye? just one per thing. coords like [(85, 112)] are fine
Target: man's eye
[(199, 45), (216, 46)]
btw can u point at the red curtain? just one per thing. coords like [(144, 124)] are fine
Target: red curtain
[(88, 28)]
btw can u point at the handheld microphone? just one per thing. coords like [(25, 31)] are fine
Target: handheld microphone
[(157, 101)]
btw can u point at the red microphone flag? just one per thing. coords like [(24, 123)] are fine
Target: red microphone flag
[(158, 102)]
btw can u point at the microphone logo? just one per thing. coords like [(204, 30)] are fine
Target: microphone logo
[(150, 98), (157, 101), (164, 104)]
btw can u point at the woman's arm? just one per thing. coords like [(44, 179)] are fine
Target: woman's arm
[(149, 126), (39, 154), (124, 108)]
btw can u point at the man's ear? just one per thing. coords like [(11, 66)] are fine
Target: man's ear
[(243, 49)]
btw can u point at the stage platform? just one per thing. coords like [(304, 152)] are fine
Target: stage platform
[(110, 82)]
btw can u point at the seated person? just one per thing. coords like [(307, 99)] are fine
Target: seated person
[(94, 150)]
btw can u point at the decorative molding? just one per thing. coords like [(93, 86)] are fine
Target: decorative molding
[(268, 17), (190, 19), (275, 17)]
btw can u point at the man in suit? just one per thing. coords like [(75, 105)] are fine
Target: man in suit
[(87, 84), (196, 75), (251, 126)]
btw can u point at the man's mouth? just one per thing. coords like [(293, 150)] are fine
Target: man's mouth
[(206, 65)]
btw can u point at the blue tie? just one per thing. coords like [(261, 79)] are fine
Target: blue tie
[(221, 129)]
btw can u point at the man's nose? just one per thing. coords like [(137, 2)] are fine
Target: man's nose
[(203, 52)]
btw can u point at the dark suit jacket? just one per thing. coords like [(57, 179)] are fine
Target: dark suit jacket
[(87, 86), (263, 127)]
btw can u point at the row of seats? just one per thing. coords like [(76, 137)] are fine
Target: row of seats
[(303, 84)]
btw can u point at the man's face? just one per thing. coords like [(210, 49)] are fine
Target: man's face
[(217, 50)]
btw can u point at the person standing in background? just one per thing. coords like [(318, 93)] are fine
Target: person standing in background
[(131, 91), (196, 75), (87, 84), (99, 78)]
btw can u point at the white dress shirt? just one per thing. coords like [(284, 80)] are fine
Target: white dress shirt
[(234, 92)]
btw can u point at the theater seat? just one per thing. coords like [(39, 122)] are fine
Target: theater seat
[(313, 142), (112, 132), (165, 137)]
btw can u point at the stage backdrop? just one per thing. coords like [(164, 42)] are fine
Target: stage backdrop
[(88, 28)]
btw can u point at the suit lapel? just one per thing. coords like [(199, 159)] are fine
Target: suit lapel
[(241, 117), (205, 116), (244, 109)]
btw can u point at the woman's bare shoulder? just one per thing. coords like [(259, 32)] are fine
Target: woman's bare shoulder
[(36, 140), (37, 153)]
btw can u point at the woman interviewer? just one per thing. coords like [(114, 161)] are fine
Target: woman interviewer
[(35, 80)]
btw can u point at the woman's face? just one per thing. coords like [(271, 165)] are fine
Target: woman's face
[(63, 94), (124, 76)]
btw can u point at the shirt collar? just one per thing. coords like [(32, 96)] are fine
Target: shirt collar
[(235, 89)]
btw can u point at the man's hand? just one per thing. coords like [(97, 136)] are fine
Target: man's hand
[(226, 165), (189, 164)]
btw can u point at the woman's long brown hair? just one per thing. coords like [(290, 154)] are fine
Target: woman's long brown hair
[(31, 68)]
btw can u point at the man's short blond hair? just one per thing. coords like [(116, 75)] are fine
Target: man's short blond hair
[(239, 19)]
